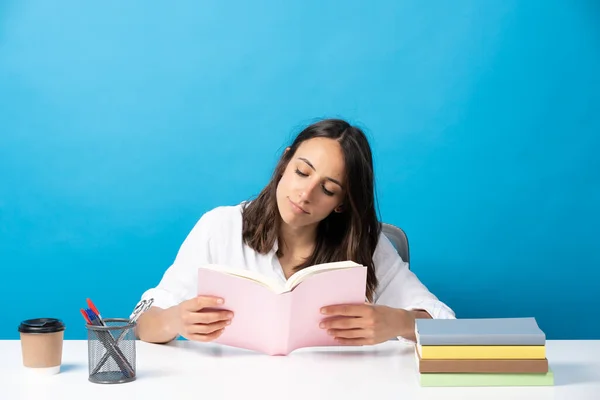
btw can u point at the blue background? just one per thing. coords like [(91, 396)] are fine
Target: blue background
[(122, 122)]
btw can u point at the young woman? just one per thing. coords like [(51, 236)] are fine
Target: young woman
[(318, 207)]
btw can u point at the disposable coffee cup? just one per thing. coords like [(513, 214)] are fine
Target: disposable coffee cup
[(42, 345)]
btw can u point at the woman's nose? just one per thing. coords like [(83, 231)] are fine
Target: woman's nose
[(307, 191)]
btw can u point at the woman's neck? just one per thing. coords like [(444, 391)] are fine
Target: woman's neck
[(297, 242)]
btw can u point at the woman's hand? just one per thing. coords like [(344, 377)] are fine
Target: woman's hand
[(367, 323), (195, 319)]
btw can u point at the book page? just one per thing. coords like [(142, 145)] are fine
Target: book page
[(247, 274), (340, 286), (299, 276)]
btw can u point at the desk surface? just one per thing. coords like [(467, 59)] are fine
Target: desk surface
[(199, 371)]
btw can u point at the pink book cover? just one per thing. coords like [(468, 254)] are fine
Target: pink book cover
[(279, 323)]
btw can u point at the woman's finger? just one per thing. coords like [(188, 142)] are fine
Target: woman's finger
[(355, 342), (341, 323), (205, 329), (207, 317), (349, 333), (348, 310), (205, 338)]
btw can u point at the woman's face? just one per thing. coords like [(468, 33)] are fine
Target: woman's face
[(312, 185)]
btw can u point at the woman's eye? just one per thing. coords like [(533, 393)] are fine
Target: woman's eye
[(300, 172), (327, 192)]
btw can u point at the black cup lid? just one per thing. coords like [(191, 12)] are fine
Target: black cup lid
[(42, 325)]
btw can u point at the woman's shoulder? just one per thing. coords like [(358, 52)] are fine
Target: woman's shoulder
[(385, 257), (384, 249), (221, 224), (222, 216)]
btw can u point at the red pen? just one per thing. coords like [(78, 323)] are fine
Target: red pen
[(85, 316), (95, 310)]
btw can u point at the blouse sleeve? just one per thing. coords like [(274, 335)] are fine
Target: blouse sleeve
[(399, 287), (179, 281)]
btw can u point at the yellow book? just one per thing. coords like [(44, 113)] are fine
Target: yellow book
[(481, 352)]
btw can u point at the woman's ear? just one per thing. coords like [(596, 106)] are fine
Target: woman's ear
[(339, 208)]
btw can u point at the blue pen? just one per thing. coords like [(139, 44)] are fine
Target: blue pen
[(93, 317)]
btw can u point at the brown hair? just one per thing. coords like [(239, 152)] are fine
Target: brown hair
[(349, 235)]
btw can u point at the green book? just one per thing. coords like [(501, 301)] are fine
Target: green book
[(485, 379)]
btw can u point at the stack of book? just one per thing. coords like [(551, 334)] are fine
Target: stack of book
[(482, 352)]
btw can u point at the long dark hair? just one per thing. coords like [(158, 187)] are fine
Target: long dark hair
[(349, 235)]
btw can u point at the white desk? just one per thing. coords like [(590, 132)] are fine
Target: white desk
[(199, 371)]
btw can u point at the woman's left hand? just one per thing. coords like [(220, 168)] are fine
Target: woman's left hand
[(367, 324)]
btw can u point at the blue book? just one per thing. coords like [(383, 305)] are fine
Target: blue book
[(479, 331)]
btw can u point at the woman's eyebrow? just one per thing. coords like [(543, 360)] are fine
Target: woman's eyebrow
[(327, 177)]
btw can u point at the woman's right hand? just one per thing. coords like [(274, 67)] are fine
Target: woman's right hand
[(197, 319)]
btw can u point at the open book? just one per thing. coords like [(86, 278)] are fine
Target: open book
[(275, 318)]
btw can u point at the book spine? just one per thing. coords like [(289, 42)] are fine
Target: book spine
[(286, 323), (483, 340), (482, 352), (466, 380), (484, 366)]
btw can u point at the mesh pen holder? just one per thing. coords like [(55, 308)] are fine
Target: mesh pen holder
[(111, 351)]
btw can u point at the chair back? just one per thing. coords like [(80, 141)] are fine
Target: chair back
[(398, 238)]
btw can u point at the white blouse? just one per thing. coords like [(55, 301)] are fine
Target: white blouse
[(217, 239)]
